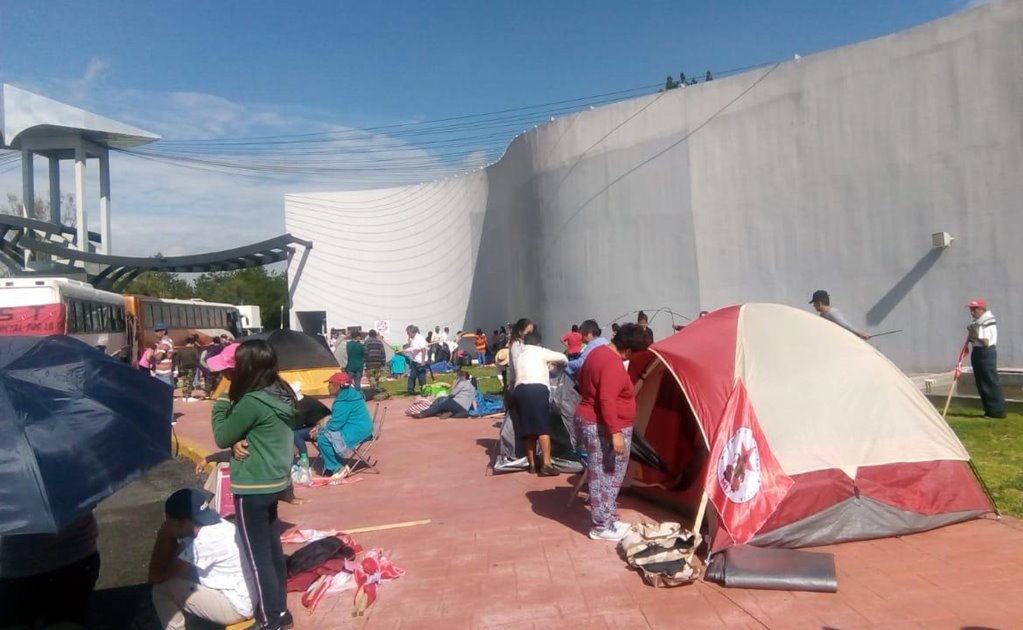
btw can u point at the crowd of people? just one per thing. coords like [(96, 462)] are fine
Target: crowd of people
[(184, 367)]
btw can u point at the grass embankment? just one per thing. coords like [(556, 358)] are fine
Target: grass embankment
[(996, 447), (486, 377)]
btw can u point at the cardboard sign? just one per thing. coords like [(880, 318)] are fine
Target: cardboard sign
[(30, 321), (382, 326)]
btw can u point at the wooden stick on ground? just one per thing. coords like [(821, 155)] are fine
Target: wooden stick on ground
[(379, 528)]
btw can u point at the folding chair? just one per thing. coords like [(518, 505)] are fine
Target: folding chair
[(361, 453)]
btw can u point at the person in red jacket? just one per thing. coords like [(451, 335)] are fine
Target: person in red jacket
[(604, 417)]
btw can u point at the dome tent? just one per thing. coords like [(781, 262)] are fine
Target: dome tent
[(783, 429)]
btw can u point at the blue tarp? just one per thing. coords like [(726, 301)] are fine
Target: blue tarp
[(486, 405)]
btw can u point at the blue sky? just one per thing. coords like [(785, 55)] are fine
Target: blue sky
[(226, 69)]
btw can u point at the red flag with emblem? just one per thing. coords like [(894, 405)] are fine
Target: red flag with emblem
[(747, 483)]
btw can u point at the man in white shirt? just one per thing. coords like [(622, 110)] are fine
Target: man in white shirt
[(196, 566), (416, 350), (983, 334)]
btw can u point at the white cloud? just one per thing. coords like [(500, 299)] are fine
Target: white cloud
[(160, 207)]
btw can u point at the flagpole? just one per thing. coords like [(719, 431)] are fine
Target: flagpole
[(956, 373)]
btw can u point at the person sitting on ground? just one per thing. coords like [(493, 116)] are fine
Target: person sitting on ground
[(456, 405), (196, 565), (348, 425), (573, 342), (375, 363), (532, 395)]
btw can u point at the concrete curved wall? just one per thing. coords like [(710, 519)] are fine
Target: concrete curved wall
[(829, 171)]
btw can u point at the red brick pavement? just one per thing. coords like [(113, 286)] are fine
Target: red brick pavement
[(504, 552)]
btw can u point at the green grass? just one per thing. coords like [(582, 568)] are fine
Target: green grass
[(996, 447), (487, 378)]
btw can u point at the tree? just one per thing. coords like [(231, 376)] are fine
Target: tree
[(41, 208), (669, 83), (268, 291), (161, 284), (682, 78), (709, 77)]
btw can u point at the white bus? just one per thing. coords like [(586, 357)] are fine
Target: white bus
[(59, 306)]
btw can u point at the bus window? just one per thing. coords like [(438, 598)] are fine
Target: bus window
[(207, 317), (149, 315)]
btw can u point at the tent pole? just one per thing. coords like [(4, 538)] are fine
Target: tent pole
[(983, 484)]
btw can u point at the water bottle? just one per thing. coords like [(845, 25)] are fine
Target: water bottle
[(307, 473)]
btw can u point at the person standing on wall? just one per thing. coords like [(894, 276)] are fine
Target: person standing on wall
[(983, 335), (356, 363), (821, 302)]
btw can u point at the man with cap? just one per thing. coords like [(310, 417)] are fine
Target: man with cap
[(983, 335), (822, 304), (348, 425), (196, 566)]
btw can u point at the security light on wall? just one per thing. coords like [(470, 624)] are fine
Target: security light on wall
[(941, 240)]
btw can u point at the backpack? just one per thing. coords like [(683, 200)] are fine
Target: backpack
[(662, 553)]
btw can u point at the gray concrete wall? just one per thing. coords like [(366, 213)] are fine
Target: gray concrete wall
[(831, 171)]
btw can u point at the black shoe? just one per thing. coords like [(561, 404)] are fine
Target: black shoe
[(531, 469), (549, 471)]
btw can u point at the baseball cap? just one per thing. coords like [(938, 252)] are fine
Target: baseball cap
[(340, 378), (978, 303), (820, 295), (224, 360), (193, 505)]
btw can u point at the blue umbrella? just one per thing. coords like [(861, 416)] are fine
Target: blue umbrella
[(75, 426)]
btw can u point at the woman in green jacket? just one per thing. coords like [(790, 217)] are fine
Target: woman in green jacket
[(256, 411)]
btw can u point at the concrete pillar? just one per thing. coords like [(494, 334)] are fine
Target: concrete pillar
[(104, 202), (55, 190), (28, 184), (81, 221)]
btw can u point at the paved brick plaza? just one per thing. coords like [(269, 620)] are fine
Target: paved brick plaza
[(503, 552)]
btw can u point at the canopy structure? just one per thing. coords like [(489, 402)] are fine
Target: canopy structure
[(22, 238), (37, 125), (786, 430)]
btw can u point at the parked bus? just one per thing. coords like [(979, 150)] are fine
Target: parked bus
[(59, 306), (182, 318)]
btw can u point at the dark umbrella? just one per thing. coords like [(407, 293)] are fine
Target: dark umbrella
[(75, 426), (645, 454)]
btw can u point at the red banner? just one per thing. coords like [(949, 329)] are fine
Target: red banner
[(30, 321), (747, 483)]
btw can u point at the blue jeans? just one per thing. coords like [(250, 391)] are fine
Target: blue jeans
[(416, 371), (301, 437), (356, 379), (482, 357)]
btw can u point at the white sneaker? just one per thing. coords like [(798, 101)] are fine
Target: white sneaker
[(189, 399), (611, 535), (622, 527)]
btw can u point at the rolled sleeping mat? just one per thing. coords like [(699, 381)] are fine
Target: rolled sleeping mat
[(773, 569)]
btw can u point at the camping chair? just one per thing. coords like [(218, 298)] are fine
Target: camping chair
[(361, 453)]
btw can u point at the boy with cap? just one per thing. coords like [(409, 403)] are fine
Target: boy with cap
[(196, 566), (822, 304), (983, 334)]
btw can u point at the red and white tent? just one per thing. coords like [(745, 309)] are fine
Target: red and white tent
[(783, 429)]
